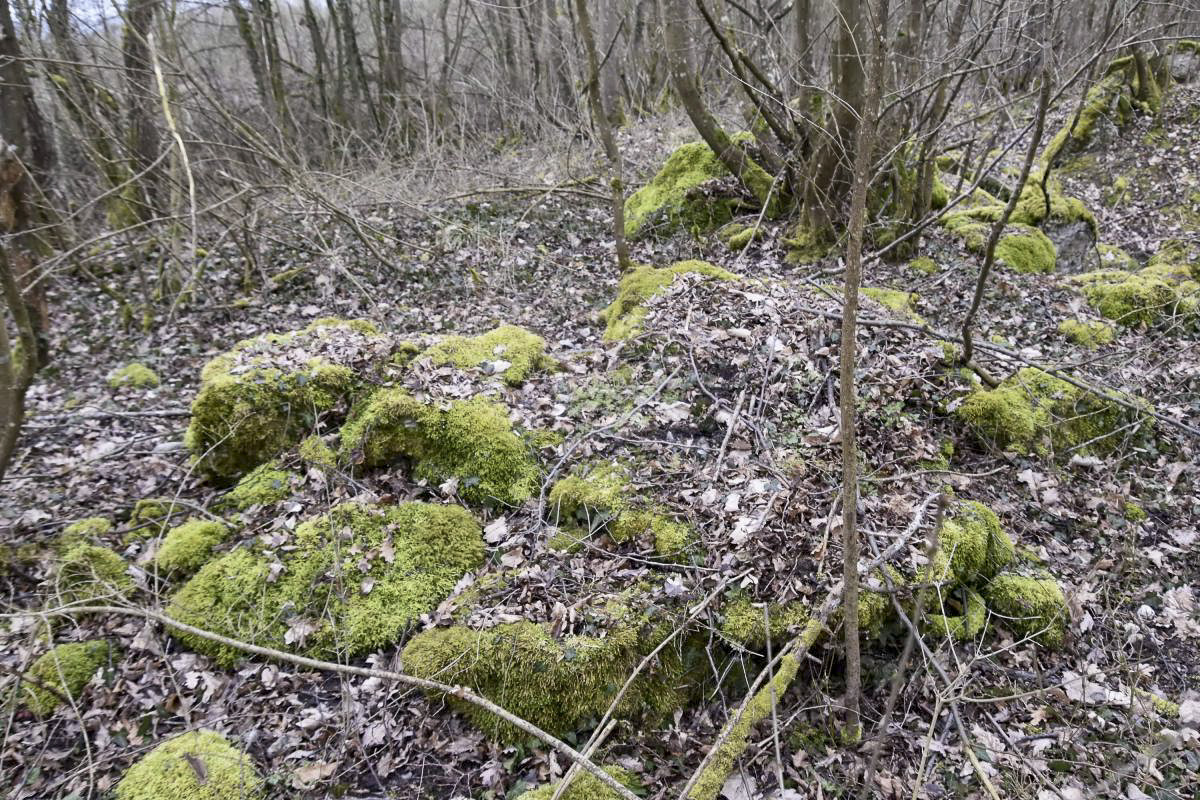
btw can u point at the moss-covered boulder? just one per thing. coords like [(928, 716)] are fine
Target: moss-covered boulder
[(89, 572), (1035, 412), (1029, 601), (187, 547), (315, 452), (896, 301), (265, 485), (61, 674), (558, 684), (624, 316), (508, 351), (200, 765), (1088, 334), (153, 509), (1107, 101), (267, 393), (959, 614), (1166, 289), (471, 441), (90, 530), (973, 546), (745, 623), (677, 198), (349, 581), (133, 376), (737, 236), (600, 499), (585, 786)]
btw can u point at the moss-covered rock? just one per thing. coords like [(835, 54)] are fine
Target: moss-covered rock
[(745, 623), (964, 625), (88, 572), (1026, 249), (1103, 101), (267, 393), (170, 771), (738, 235), (513, 353), (351, 581), (557, 684), (1029, 602), (315, 452), (85, 531), (133, 376), (469, 440), (187, 547), (674, 198), (904, 303), (923, 265), (1034, 411), (585, 786), (265, 485), (1140, 299), (600, 500), (66, 670), (625, 315), (1087, 334)]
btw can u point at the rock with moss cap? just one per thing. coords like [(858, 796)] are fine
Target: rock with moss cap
[(894, 300), (315, 452), (585, 786), (61, 674), (1088, 334), (559, 683), (88, 572), (624, 317), (1165, 289), (511, 352), (924, 265), (267, 393), (470, 441), (738, 235), (170, 771), (600, 499), (265, 485), (150, 509), (1034, 412), (85, 531), (1029, 602), (962, 626), (133, 376), (676, 197), (350, 581), (187, 547), (745, 622)]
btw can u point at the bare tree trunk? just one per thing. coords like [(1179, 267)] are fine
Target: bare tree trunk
[(604, 126), (861, 179), (1035, 141), (320, 56), (140, 130), (756, 180), (245, 28)]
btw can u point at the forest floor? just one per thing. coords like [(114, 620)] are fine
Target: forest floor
[(762, 490)]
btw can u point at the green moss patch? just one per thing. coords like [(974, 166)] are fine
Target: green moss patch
[(745, 623), (1103, 100), (674, 198), (624, 317), (600, 500), (1026, 250), (1034, 411), (133, 376), (469, 440), (66, 670), (1165, 289), (201, 765), (315, 452), (187, 547), (963, 626), (513, 353), (351, 581), (558, 685), (265, 485), (904, 303), (585, 786), (85, 531), (88, 572), (1087, 334), (267, 393), (923, 265), (1030, 603), (738, 235)]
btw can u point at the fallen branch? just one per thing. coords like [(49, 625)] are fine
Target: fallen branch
[(461, 692)]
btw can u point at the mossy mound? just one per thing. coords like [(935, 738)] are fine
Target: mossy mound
[(745, 623), (88, 572), (675, 197), (149, 509), (738, 235), (964, 625), (1108, 99), (351, 581), (85, 531), (265, 485), (471, 441), (1026, 250), (1160, 291), (624, 317), (1030, 603), (187, 547), (315, 452), (170, 771), (1087, 334), (600, 499), (66, 670), (585, 786), (133, 376), (1034, 412), (894, 300), (923, 265), (511, 352), (557, 684), (267, 393)]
